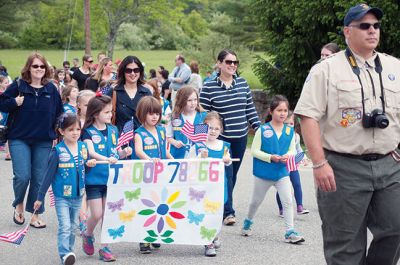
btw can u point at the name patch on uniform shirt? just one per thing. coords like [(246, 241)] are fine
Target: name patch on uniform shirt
[(96, 139), (150, 147), (268, 133), (148, 140), (349, 117)]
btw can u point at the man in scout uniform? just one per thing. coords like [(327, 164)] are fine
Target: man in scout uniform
[(350, 119)]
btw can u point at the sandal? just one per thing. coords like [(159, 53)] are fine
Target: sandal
[(20, 216), (38, 224)]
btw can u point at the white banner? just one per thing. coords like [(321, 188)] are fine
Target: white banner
[(172, 202)]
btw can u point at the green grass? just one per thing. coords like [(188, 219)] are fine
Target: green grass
[(14, 60)]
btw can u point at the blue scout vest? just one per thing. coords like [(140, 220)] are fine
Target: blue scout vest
[(151, 147), (272, 145), (177, 124), (218, 154), (69, 181), (69, 108), (98, 175), (164, 105)]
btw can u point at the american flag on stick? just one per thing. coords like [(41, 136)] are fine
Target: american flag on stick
[(126, 135), (293, 161), (195, 133), (15, 237)]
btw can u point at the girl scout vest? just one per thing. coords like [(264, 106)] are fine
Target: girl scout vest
[(69, 108), (177, 124), (69, 181), (98, 175), (272, 145), (164, 105), (219, 154), (151, 147)]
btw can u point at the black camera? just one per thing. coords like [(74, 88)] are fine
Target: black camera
[(3, 134), (375, 119)]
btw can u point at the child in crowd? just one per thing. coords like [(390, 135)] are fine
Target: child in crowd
[(81, 104), (4, 82), (59, 78), (214, 148), (101, 139), (69, 96), (294, 175), (272, 145), (66, 173), (150, 141), (187, 109), (165, 106)]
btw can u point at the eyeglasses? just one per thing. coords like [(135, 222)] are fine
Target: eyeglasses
[(367, 26), (36, 66), (217, 129), (230, 62), (130, 70)]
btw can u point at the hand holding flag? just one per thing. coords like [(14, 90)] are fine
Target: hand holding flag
[(293, 161), (126, 135)]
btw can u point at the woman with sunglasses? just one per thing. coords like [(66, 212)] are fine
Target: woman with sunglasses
[(83, 72), (128, 91), (33, 104), (104, 72), (230, 96)]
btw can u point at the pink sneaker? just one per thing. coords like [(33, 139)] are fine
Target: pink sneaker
[(106, 255), (87, 244)]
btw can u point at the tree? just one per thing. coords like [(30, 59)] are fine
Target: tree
[(294, 32)]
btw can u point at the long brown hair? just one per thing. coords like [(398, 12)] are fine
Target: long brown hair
[(181, 100), (95, 106), (154, 85), (26, 71)]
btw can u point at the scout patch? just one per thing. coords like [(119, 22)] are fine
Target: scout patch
[(67, 190), (101, 146), (64, 157), (287, 130), (148, 140), (176, 122), (162, 135), (84, 153), (96, 139), (113, 139), (391, 77), (349, 117), (267, 127), (268, 133), (63, 150)]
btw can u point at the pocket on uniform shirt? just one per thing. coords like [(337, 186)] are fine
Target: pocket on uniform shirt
[(392, 97), (349, 95)]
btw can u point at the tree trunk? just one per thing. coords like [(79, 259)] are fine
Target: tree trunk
[(88, 49), (111, 39)]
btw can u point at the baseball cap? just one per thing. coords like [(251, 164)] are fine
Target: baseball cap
[(358, 11)]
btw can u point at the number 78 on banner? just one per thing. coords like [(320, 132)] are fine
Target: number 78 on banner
[(166, 172)]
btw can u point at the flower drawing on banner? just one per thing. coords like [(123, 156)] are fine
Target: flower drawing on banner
[(163, 210)]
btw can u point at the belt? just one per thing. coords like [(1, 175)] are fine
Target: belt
[(365, 157)]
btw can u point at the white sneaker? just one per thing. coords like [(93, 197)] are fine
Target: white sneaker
[(293, 237), (69, 259), (217, 242), (210, 251)]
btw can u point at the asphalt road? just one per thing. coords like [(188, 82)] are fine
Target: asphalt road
[(265, 246)]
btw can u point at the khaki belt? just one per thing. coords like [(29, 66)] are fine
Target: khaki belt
[(365, 157)]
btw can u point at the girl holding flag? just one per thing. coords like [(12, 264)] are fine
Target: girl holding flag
[(187, 111), (272, 145)]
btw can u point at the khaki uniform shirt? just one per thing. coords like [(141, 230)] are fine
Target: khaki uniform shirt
[(332, 96)]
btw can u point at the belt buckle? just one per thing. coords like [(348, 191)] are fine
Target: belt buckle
[(371, 157)]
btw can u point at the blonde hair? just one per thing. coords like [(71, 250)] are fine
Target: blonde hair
[(181, 100), (83, 94), (66, 92)]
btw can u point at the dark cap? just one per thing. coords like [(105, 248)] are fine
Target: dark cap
[(359, 11)]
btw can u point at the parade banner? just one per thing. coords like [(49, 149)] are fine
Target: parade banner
[(172, 202)]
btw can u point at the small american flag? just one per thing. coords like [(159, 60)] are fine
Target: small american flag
[(293, 161), (196, 133), (126, 134), (15, 237), (52, 199)]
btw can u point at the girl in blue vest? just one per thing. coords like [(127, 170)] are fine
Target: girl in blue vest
[(186, 109), (69, 95), (101, 139), (66, 173), (215, 148), (150, 140), (272, 144)]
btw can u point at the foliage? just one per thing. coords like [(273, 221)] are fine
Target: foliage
[(294, 34)]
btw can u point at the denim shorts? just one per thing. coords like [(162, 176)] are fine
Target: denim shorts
[(96, 191)]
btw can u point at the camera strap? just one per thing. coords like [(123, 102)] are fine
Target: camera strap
[(356, 70)]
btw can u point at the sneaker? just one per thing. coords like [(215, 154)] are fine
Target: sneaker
[(209, 251), (217, 243), (281, 213), (106, 255), (230, 220), (69, 259), (301, 210), (82, 227), (87, 244), (156, 245), (246, 230), (145, 248), (293, 237)]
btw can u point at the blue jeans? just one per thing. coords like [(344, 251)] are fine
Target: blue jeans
[(29, 162), (238, 147), (67, 214), (298, 193)]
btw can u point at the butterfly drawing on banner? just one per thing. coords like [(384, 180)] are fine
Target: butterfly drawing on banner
[(132, 195), (195, 218), (208, 234), (113, 206), (210, 206), (196, 194), (127, 216), (118, 232)]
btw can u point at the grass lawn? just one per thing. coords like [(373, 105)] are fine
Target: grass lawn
[(14, 60)]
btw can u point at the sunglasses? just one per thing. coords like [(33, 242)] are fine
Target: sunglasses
[(367, 26), (36, 66), (230, 62), (91, 61), (130, 70)]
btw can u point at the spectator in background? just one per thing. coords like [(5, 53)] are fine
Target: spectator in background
[(104, 72), (75, 62), (100, 57), (329, 49), (59, 78), (165, 91), (66, 66), (195, 79), (152, 73), (83, 72), (179, 76)]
